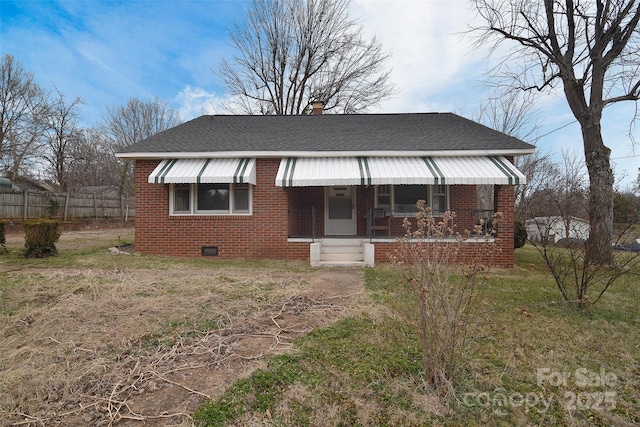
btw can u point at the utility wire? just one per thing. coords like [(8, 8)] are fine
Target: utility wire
[(555, 130), (572, 122)]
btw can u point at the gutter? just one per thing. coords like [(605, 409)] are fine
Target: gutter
[(315, 154)]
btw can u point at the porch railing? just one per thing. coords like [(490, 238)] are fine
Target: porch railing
[(303, 223), (486, 216)]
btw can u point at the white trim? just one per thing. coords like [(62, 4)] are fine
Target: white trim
[(278, 154), (193, 195)]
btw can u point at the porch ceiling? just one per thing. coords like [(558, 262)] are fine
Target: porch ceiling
[(328, 171), (205, 171)]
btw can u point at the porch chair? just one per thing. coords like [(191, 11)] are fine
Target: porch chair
[(381, 221)]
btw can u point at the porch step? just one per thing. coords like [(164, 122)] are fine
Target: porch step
[(341, 252)]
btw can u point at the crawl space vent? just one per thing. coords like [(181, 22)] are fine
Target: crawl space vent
[(209, 251)]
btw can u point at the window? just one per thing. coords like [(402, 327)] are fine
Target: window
[(383, 199), (403, 198), (406, 196), (439, 198), (210, 199), (213, 198), (181, 198)]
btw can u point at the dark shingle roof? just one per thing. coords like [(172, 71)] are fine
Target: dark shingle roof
[(424, 132)]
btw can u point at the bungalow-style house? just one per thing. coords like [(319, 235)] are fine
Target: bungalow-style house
[(331, 189)]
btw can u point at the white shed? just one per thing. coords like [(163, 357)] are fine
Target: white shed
[(554, 228)]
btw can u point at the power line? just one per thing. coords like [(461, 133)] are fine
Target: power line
[(572, 122), (625, 157), (555, 130)]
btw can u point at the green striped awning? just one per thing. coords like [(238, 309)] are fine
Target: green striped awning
[(329, 171), (205, 171)]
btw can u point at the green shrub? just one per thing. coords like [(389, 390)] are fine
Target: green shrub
[(3, 240), (519, 235), (40, 237)]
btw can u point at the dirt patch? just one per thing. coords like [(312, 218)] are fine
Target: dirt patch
[(80, 239), (135, 344)]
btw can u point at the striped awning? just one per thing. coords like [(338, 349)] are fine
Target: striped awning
[(329, 171), (205, 171)]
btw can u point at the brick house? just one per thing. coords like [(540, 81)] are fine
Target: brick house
[(332, 189)]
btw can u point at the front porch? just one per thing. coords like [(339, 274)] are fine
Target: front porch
[(354, 212), (352, 225)]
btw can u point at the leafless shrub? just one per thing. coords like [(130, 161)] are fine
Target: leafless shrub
[(576, 273), (445, 271)]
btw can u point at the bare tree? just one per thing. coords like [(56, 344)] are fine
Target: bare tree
[(127, 124), (592, 48), (562, 191), (91, 162), (291, 53), (24, 110), (513, 114), (62, 134), (555, 211)]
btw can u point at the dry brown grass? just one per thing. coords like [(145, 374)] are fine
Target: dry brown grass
[(128, 344)]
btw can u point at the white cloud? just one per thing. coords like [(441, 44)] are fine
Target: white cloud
[(195, 101), (429, 54)]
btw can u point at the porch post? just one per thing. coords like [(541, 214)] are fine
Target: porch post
[(505, 203)]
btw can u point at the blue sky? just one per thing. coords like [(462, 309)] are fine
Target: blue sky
[(108, 51)]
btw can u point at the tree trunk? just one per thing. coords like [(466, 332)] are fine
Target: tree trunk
[(601, 181)]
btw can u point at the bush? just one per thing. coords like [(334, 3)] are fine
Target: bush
[(40, 237), (519, 235), (445, 280), (2, 239)]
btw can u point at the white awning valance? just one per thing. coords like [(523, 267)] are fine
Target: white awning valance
[(329, 171), (205, 171)]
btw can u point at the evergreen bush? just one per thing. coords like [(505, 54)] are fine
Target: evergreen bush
[(3, 239), (519, 235), (40, 237)]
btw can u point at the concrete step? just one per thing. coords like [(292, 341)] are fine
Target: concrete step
[(342, 264), (341, 250), (337, 252), (333, 241), (357, 256)]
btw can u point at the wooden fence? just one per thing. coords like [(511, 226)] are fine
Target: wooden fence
[(22, 205)]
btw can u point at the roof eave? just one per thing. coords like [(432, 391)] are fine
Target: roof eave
[(280, 154)]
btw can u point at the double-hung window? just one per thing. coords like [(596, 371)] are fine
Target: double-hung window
[(402, 199), (210, 199)]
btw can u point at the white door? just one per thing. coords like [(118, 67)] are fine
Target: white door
[(340, 218)]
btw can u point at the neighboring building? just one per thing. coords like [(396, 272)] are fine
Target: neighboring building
[(554, 228), (292, 187), (7, 185), (28, 184), (102, 190)]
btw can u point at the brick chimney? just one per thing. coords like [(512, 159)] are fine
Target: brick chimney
[(317, 106)]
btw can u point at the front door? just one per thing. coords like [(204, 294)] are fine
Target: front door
[(340, 218)]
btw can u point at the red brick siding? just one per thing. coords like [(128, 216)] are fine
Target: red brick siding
[(463, 202), (260, 235), (264, 233)]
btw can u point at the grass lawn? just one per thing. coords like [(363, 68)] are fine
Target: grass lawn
[(534, 360), (89, 338)]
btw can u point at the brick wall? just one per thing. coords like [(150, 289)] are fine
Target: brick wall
[(463, 201), (261, 235), (264, 234)]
